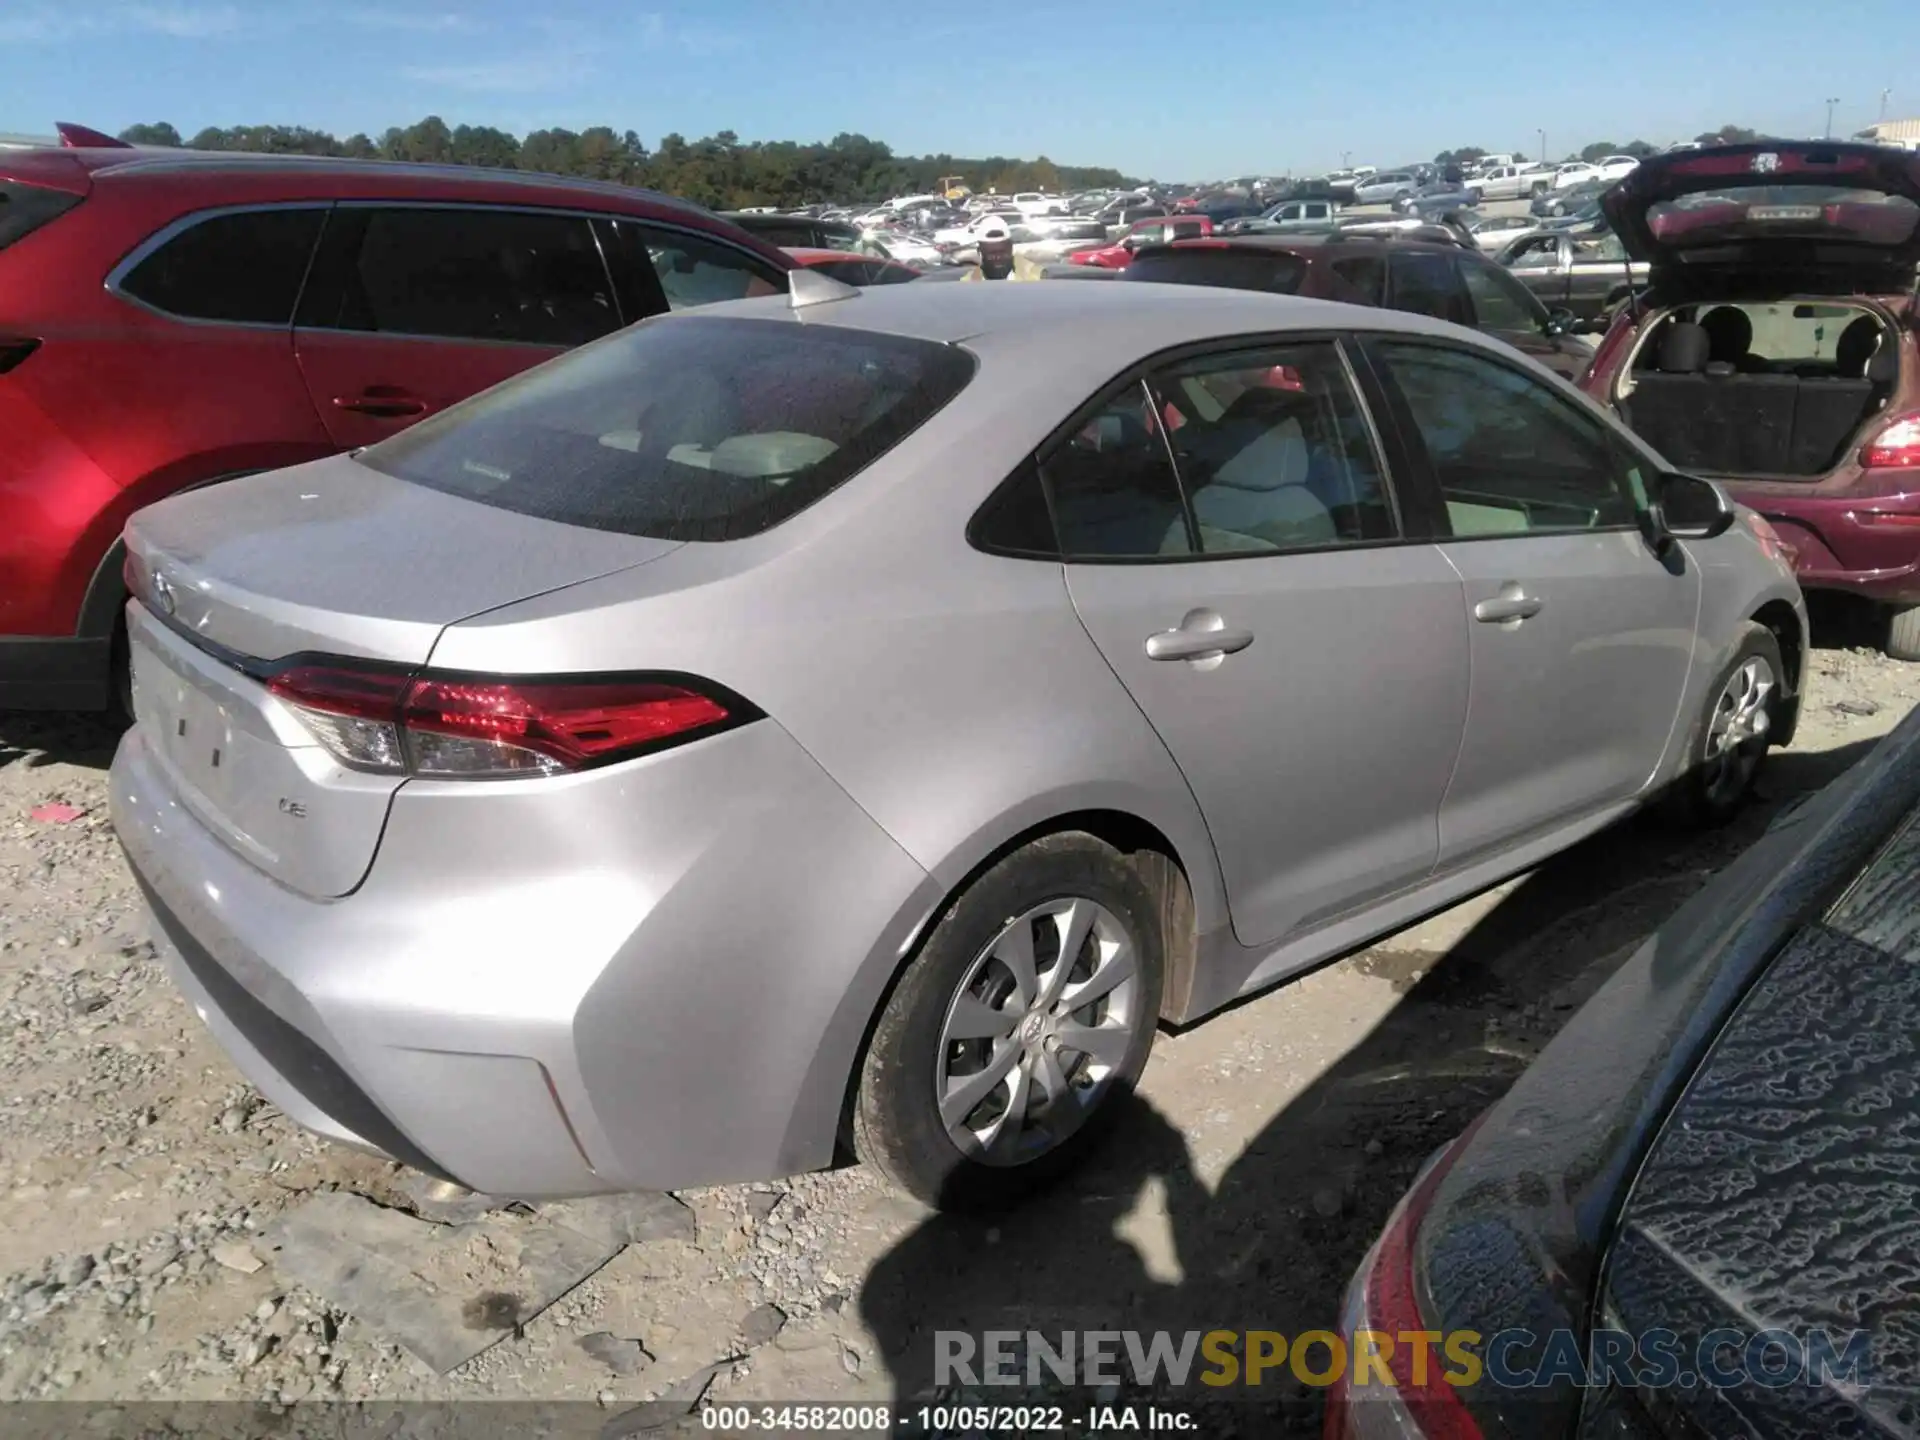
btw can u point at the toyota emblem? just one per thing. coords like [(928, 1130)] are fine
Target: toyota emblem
[(163, 594)]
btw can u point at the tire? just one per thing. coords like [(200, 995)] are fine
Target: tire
[(971, 1160), (1903, 633), (1715, 786)]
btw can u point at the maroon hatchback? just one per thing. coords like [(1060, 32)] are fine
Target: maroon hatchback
[(1777, 349)]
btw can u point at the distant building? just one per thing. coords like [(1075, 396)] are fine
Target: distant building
[(1904, 133)]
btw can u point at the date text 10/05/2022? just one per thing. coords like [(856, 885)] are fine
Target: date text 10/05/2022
[(943, 1419)]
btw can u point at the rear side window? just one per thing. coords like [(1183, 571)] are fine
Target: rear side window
[(475, 274), (25, 208), (1276, 270), (243, 267), (1112, 485), (1428, 283), (1367, 274), (689, 428)]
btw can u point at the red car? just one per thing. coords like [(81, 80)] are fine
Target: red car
[(1162, 231), (170, 319), (853, 269), (1778, 348)]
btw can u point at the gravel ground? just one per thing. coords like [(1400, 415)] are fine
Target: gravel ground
[(138, 1172)]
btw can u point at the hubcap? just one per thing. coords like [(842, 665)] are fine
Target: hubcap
[(1737, 733), (1040, 1024)]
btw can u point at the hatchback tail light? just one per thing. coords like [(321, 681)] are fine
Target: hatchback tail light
[(496, 727), (1384, 1298), (1896, 447)]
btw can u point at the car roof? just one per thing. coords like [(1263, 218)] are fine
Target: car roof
[(1320, 242), (378, 178), (1085, 333)]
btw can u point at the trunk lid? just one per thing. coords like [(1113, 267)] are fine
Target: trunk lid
[(1806, 215), (329, 558)]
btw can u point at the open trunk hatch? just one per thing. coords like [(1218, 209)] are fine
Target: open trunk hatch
[(328, 559), (1805, 216)]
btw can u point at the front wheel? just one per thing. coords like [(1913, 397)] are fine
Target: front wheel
[(1729, 741), (1903, 633), (1027, 1016)]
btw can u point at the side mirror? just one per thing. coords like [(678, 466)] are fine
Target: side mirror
[(1561, 322), (1685, 507)]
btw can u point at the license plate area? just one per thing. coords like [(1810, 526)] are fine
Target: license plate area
[(1784, 212)]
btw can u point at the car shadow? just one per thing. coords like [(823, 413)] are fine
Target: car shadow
[(34, 738), (1271, 1245)]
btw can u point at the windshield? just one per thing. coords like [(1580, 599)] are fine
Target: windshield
[(685, 427)]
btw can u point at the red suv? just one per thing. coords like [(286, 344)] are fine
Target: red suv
[(1778, 348), (171, 319)]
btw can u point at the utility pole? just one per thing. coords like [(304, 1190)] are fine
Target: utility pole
[(1543, 146), (1830, 105), (1883, 103)]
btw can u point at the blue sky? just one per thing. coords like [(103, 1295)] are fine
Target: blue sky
[(1161, 88)]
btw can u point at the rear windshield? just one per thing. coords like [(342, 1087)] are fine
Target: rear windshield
[(1276, 271), (685, 427), (1747, 212)]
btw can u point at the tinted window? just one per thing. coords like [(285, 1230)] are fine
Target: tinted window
[(1272, 451), (847, 272), (472, 274), (1427, 283), (785, 232), (1367, 274), (1501, 302), (1510, 455), (240, 267), (697, 271), (691, 428), (1016, 518), (1273, 270), (1112, 488)]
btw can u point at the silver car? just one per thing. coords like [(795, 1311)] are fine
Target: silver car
[(863, 716)]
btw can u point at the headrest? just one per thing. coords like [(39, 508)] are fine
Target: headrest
[(1855, 347), (761, 457), (1884, 367), (1684, 349), (1730, 331)]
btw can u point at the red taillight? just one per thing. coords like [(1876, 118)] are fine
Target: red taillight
[(1897, 447), (485, 726), (1384, 1299), (14, 349), (571, 725)]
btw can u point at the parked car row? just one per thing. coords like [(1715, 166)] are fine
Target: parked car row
[(435, 604)]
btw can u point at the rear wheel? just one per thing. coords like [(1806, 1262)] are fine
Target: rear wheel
[(1729, 741), (1029, 1012), (1903, 633)]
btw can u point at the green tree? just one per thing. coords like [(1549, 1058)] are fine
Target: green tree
[(1729, 135), (161, 134)]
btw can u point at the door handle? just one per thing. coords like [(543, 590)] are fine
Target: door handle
[(1202, 635), (1511, 605), (391, 405)]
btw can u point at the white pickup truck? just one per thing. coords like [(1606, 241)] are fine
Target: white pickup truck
[(1513, 182)]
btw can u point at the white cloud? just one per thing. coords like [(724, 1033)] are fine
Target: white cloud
[(183, 22), (179, 21)]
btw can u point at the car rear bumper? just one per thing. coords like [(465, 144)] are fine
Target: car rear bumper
[(650, 976), (1865, 545)]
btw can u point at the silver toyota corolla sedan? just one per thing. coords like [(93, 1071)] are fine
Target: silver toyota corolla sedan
[(863, 717)]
